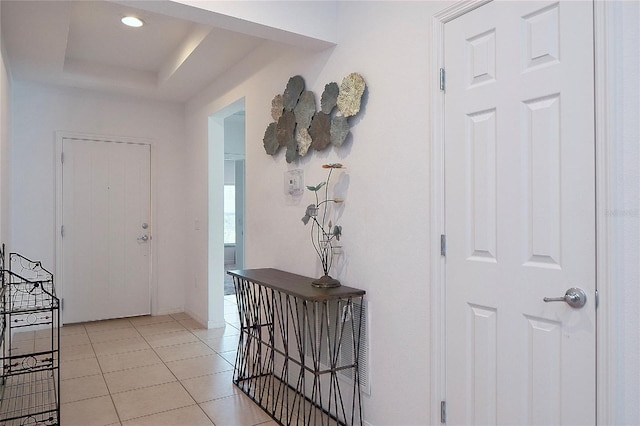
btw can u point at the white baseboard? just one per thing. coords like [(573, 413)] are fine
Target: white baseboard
[(216, 324), (168, 311), (208, 324)]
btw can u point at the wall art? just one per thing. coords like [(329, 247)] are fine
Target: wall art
[(299, 126)]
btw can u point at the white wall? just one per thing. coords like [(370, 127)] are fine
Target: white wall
[(39, 111), (229, 179), (624, 52), (234, 135), (385, 223), (229, 172)]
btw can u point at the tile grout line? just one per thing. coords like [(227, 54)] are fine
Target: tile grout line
[(146, 387), (173, 374), (132, 324), (197, 404), (113, 403)]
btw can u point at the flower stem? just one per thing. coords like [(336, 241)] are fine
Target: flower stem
[(321, 239)]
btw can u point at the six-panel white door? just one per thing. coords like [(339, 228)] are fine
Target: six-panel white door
[(520, 214), (106, 219)]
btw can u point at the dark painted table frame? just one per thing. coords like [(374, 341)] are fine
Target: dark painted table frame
[(292, 338)]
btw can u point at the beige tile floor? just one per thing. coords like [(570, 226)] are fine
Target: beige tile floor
[(162, 370)]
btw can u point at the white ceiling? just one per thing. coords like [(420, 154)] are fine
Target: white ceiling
[(84, 44)]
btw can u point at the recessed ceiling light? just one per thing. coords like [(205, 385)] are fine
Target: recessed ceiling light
[(132, 21)]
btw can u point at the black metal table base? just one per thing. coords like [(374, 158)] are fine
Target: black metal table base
[(298, 350)]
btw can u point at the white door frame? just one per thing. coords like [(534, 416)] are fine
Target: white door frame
[(58, 254), (604, 110)]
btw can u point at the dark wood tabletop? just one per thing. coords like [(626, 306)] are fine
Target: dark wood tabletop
[(295, 285)]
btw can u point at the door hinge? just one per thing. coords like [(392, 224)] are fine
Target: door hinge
[(443, 411), (62, 231), (62, 157), (443, 245), (597, 299), (61, 304), (442, 79)]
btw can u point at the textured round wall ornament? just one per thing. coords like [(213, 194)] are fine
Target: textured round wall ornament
[(292, 151), (304, 141), (270, 139), (351, 91), (295, 86), (329, 97), (277, 107), (320, 131), (285, 128), (305, 109), (339, 130)]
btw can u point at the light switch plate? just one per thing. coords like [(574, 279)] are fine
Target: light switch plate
[(294, 182)]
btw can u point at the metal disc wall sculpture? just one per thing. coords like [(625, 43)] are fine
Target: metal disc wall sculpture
[(297, 124)]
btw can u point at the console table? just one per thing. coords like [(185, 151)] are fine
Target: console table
[(299, 347)]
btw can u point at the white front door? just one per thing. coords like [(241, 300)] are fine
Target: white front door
[(106, 229), (520, 214)]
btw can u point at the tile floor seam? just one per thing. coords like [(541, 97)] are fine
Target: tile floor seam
[(154, 413), (111, 394), (141, 387), (179, 381), (158, 384), (193, 402), (113, 403), (81, 399), (128, 368), (196, 403), (165, 411)]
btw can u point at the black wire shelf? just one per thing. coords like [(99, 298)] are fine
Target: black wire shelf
[(29, 367)]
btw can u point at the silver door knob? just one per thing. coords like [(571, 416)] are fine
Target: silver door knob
[(145, 237), (574, 297)]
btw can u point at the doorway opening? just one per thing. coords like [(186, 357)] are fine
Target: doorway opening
[(234, 146), (226, 203)]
